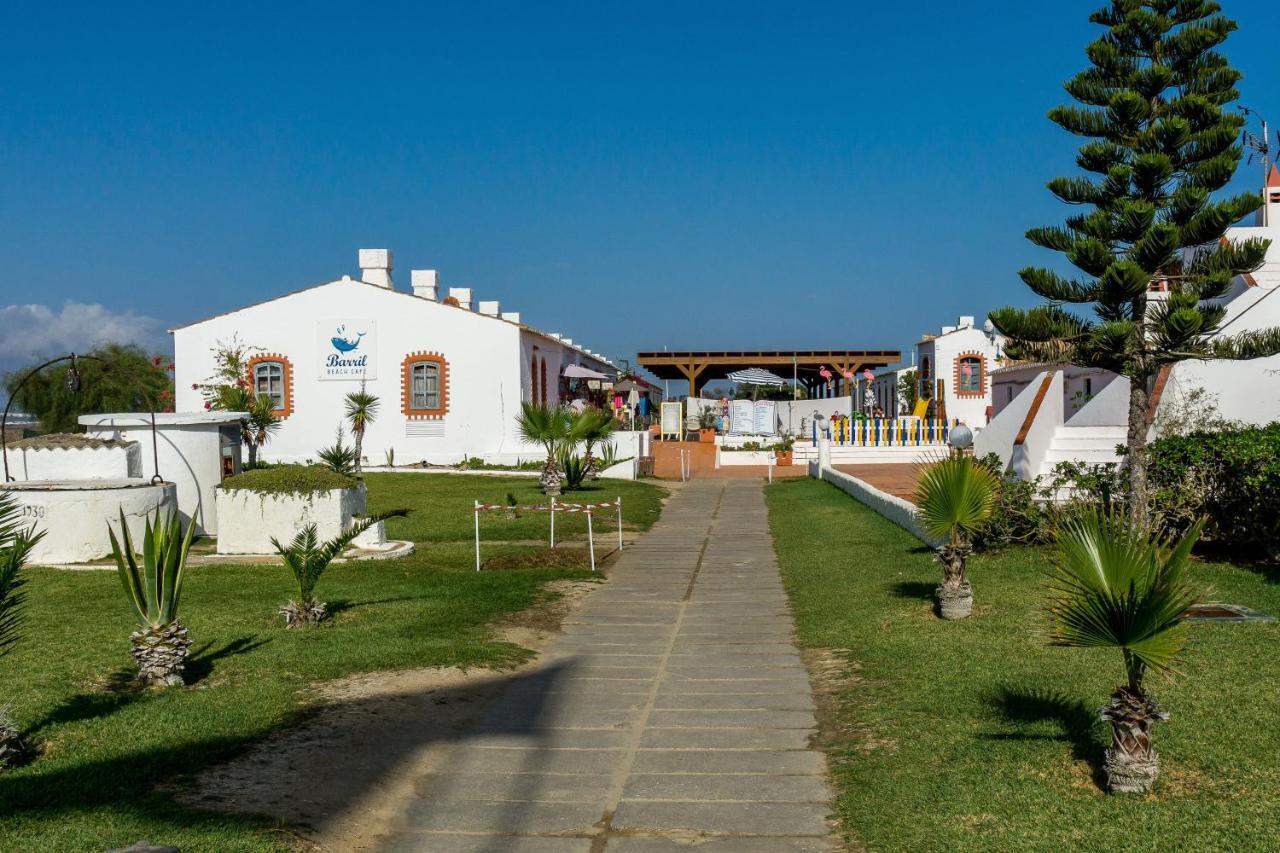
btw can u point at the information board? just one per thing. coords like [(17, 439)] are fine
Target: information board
[(672, 421)]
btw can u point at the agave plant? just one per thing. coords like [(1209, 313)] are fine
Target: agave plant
[(954, 497), (338, 457), (307, 557), (1120, 586), (16, 543), (160, 643), (574, 467), (549, 427)]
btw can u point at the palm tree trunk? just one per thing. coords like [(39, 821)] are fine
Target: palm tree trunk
[(253, 453), (1139, 401), (954, 595), (359, 444), (1131, 764)]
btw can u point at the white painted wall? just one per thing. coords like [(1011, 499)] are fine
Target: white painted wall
[(1247, 391), (941, 352), (488, 371), (897, 510), (76, 516), (997, 437), (76, 463), (190, 447), (250, 519), (1026, 458)]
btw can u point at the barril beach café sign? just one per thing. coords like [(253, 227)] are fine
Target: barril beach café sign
[(348, 348)]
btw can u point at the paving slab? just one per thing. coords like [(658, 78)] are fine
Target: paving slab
[(673, 713)]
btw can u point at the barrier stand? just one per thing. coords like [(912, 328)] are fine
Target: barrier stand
[(619, 522), (553, 508), (477, 511), (771, 460)]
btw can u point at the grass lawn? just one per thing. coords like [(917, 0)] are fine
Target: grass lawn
[(977, 735), (107, 756), (442, 506)]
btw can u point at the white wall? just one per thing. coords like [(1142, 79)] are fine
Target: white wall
[(1247, 391), (250, 519), (76, 463), (190, 447), (997, 437), (1027, 458), (897, 510), (488, 372), (76, 520)]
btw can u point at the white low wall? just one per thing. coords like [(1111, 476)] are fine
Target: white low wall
[(729, 458), (76, 515), (632, 443), (114, 461), (897, 510), (247, 520)]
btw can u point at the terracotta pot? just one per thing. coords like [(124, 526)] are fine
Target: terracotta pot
[(782, 457), (706, 435)]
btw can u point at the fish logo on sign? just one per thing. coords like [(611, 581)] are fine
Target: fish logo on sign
[(342, 343)]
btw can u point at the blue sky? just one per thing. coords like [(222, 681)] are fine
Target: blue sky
[(718, 175)]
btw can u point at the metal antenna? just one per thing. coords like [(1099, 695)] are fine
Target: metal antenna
[(1259, 146)]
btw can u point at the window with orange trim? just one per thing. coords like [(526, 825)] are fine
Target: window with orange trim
[(271, 376), (425, 385)]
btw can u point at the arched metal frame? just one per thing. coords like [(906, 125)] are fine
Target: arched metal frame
[(73, 385)]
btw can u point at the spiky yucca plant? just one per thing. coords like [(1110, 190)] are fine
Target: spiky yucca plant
[(362, 410), (160, 644), (591, 427), (16, 543), (307, 557), (1117, 585), (954, 497)]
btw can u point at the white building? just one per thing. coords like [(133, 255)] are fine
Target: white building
[(450, 371), (887, 388), (955, 367), (1045, 414)]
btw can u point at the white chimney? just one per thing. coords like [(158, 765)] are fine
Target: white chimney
[(426, 283), (489, 307), (375, 267), (511, 316), (966, 322), (568, 341), (463, 295)]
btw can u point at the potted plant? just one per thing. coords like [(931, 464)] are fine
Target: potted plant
[(782, 449), (707, 424)]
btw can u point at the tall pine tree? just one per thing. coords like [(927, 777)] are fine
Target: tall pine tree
[(1160, 142)]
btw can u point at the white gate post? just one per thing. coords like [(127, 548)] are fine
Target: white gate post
[(553, 521), (619, 522)]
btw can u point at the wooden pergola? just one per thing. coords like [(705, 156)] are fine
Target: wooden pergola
[(697, 367)]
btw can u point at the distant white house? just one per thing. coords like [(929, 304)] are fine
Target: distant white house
[(1045, 414), (954, 367), (450, 372)]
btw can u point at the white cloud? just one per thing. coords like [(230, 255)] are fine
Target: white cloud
[(28, 332)]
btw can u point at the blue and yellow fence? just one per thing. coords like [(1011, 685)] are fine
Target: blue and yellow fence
[(886, 432)]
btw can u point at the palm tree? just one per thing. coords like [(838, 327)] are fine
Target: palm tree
[(308, 558), (160, 644), (362, 408), (549, 427), (591, 427), (1117, 585), (16, 543), (954, 497), (261, 424)]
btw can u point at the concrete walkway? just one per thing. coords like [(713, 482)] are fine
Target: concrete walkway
[(673, 715)]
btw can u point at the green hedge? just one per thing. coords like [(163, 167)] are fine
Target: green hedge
[(290, 479), (1232, 476)]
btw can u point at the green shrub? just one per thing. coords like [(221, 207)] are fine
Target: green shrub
[(1232, 476), (1021, 516), (290, 479)]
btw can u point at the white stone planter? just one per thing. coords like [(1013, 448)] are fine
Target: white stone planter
[(247, 520), (75, 514)]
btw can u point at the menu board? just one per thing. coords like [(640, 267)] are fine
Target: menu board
[(672, 421), (741, 417), (765, 418)]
